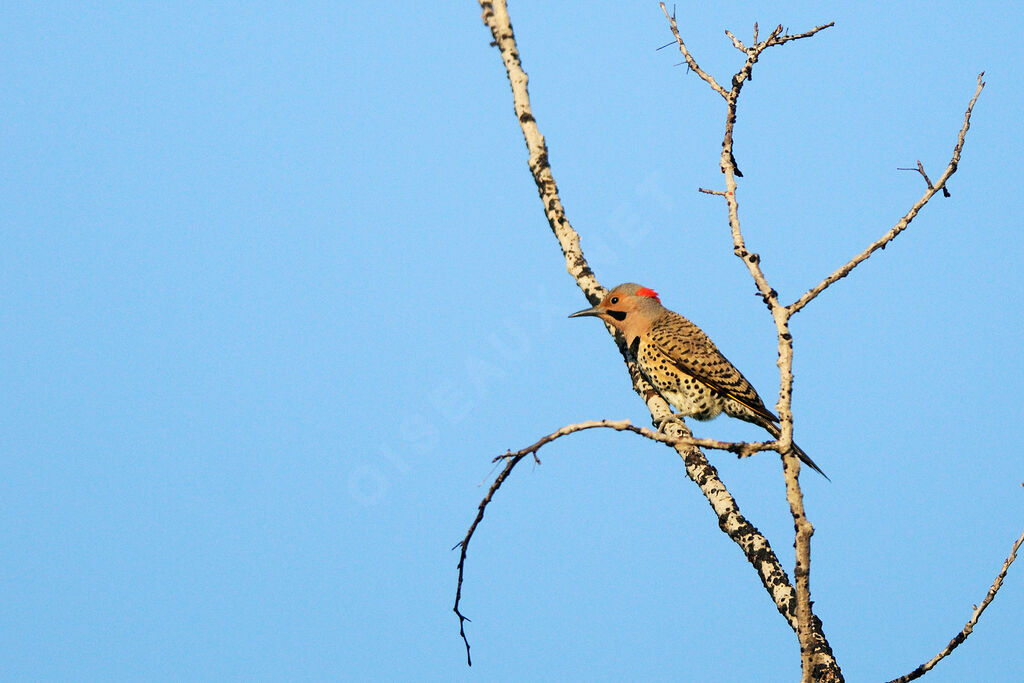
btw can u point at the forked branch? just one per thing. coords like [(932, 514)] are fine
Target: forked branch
[(754, 546), (817, 660), (793, 603)]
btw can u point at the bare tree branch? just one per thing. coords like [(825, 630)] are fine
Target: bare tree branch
[(902, 224), (782, 39), (754, 545), (495, 16), (927, 181), (742, 449), (816, 656), (817, 660), (512, 459), (690, 61), (463, 545), (969, 626)]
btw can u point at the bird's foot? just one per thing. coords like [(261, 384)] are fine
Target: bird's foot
[(667, 420)]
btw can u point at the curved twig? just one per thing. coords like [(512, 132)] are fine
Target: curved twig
[(512, 459), (463, 545)]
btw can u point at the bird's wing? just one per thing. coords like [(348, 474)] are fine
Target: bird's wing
[(693, 353)]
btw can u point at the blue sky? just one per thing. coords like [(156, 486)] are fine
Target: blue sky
[(276, 287)]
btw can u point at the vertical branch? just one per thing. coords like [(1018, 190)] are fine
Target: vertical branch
[(816, 658), (817, 661), (802, 527)]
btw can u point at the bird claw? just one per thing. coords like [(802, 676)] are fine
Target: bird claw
[(667, 420)]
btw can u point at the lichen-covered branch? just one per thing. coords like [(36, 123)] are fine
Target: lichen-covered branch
[(495, 16), (754, 545), (969, 626)]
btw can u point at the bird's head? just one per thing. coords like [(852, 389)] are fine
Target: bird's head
[(629, 307)]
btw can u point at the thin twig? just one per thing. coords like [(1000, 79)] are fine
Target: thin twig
[(971, 623), (920, 169), (690, 61), (927, 180), (902, 224), (464, 546), (742, 449), (782, 39)]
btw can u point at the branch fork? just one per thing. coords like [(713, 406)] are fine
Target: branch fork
[(792, 602)]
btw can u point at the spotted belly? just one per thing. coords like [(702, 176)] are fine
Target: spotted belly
[(688, 396), (694, 400)]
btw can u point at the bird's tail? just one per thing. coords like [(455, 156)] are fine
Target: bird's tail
[(774, 430)]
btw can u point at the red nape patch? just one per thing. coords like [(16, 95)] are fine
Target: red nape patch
[(644, 291)]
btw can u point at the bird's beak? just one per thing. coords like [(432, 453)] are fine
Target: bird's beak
[(595, 311)]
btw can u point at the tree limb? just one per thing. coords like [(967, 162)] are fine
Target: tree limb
[(512, 459), (754, 545), (969, 626), (495, 16), (690, 61), (742, 449), (904, 222), (817, 660)]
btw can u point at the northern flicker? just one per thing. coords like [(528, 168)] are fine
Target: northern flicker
[(682, 363)]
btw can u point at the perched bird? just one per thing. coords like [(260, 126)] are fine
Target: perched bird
[(682, 363)]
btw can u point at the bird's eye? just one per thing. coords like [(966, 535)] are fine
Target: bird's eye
[(615, 300)]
